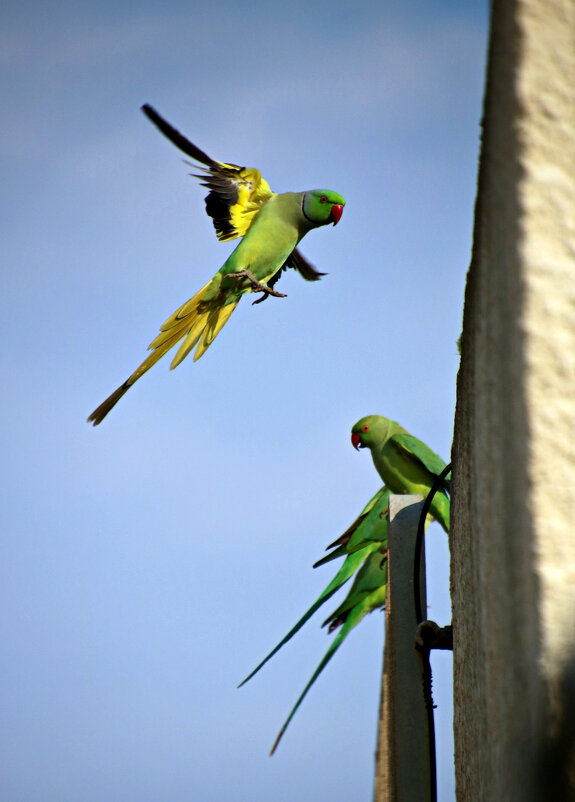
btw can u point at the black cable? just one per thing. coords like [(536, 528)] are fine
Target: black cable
[(426, 649), (419, 541), (428, 696)]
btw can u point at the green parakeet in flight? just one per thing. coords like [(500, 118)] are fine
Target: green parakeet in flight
[(405, 464), (241, 204)]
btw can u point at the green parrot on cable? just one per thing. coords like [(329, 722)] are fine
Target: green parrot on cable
[(241, 204), (405, 464)]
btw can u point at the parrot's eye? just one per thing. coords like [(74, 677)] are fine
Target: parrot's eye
[(323, 199), (365, 427)]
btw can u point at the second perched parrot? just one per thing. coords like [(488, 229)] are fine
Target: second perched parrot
[(241, 204), (405, 464)]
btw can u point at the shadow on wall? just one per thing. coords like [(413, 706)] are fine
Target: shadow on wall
[(557, 775)]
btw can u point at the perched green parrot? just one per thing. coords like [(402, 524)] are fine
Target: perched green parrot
[(241, 204), (364, 546), (405, 464)]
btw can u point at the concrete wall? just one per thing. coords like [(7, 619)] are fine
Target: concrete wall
[(513, 524)]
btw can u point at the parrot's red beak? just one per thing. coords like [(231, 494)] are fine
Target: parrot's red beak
[(336, 212), (356, 440)]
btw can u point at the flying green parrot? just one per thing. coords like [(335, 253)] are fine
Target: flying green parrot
[(364, 545), (405, 464), (241, 204)]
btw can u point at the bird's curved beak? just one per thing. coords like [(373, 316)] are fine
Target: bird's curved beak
[(336, 212), (356, 441)]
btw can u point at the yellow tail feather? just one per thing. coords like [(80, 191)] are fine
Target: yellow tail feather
[(192, 337), (215, 323), (188, 322), (175, 319)]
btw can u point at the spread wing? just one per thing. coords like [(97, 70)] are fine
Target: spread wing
[(235, 197), (236, 193)]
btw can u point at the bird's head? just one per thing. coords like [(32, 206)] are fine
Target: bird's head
[(372, 431), (322, 206)]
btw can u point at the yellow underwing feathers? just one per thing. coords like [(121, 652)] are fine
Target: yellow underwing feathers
[(236, 196), (216, 321)]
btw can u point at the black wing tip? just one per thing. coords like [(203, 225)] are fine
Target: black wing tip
[(175, 137), (317, 276), (150, 111)]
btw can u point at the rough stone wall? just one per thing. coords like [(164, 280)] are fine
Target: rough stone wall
[(513, 525)]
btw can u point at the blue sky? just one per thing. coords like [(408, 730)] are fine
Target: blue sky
[(150, 563)]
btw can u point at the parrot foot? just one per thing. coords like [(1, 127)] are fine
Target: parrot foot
[(257, 286)]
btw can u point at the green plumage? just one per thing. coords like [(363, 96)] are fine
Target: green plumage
[(363, 544), (271, 225), (405, 464), (366, 595)]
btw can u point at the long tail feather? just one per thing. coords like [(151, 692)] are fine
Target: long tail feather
[(351, 621), (347, 569), (215, 323), (186, 312), (191, 340), (190, 321), (348, 616), (370, 517), (100, 412)]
